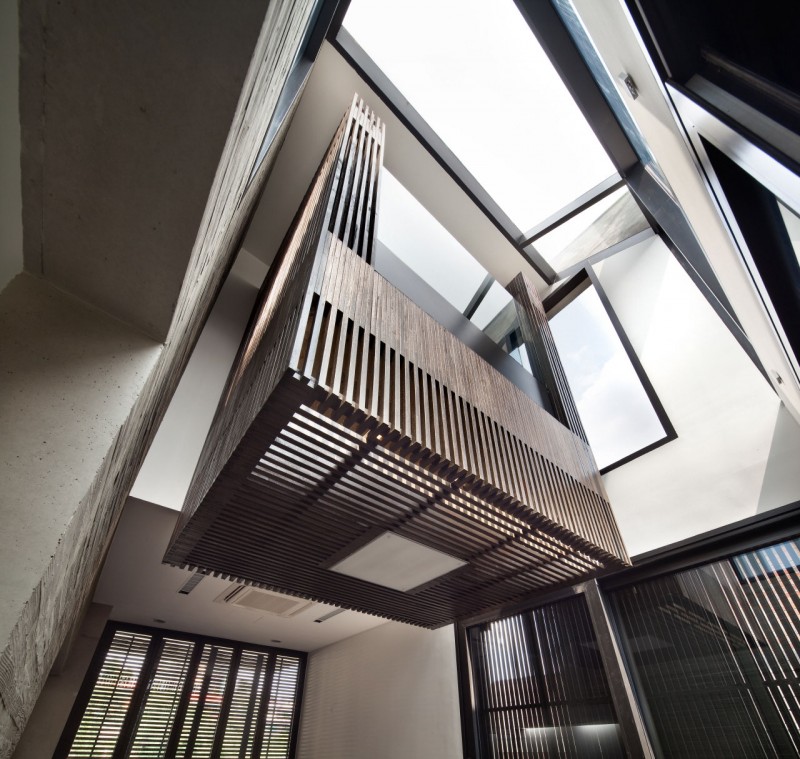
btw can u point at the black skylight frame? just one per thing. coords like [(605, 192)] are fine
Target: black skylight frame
[(583, 280), (657, 204)]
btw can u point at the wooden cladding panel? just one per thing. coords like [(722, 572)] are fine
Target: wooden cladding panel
[(350, 411), (320, 478)]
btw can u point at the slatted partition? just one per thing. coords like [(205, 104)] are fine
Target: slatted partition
[(350, 411), (540, 686), (172, 696)]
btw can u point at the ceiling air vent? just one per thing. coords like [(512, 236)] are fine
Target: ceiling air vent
[(263, 600)]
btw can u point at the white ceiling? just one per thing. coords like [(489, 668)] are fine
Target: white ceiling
[(141, 590)]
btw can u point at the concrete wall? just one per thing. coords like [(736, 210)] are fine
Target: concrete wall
[(737, 448), (390, 692), (70, 376), (47, 720), (10, 176)]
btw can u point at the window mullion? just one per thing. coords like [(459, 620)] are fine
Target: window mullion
[(222, 721), (261, 719), (134, 711), (201, 697), (183, 704)]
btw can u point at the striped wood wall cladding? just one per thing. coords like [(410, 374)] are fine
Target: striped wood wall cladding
[(350, 411)]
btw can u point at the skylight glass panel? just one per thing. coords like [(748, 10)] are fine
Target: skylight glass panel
[(609, 221), (614, 407), (476, 73), (409, 230)]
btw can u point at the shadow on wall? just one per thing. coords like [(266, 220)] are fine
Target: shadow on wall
[(782, 474)]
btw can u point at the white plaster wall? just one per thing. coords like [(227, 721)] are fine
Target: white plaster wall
[(390, 692), (169, 465), (737, 448), (48, 718), (69, 375), (10, 173)]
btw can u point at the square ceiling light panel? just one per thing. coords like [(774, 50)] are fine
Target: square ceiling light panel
[(398, 563)]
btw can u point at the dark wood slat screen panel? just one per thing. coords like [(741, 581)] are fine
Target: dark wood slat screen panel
[(198, 698), (540, 686), (350, 410), (716, 653)]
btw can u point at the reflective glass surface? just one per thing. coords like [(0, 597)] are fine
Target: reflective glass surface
[(609, 221), (476, 73), (714, 651), (614, 407), (792, 222)]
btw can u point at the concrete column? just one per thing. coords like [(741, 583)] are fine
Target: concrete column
[(69, 377)]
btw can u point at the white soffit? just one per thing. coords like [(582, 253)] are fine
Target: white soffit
[(396, 562)]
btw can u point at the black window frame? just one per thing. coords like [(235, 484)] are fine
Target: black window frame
[(125, 741), (560, 298)]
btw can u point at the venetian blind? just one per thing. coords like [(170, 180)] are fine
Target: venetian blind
[(157, 695)]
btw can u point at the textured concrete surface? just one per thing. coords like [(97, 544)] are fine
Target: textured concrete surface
[(125, 109), (54, 705), (55, 602), (10, 176), (70, 375)]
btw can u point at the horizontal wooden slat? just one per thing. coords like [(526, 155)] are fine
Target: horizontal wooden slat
[(349, 409)]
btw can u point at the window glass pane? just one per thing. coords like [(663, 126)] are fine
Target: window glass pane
[(155, 696), (542, 687), (614, 408), (792, 222), (104, 715), (163, 696), (715, 654), (607, 222), (409, 230), (481, 80)]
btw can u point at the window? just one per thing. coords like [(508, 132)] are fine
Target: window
[(541, 687), (619, 409), (714, 652), (597, 228), (152, 693), (466, 70)]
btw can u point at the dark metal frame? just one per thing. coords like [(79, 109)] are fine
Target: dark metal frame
[(551, 33), (653, 198), (583, 280), (156, 643), (740, 169)]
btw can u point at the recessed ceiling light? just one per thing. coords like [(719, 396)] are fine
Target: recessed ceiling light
[(398, 563)]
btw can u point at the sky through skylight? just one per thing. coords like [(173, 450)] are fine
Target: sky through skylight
[(476, 73)]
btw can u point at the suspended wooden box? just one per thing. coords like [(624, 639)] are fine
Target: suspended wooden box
[(350, 413)]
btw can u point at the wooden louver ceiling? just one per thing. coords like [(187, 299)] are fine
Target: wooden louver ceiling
[(350, 411)]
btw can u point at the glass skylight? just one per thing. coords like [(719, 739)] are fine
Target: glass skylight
[(614, 407), (609, 221), (476, 73)]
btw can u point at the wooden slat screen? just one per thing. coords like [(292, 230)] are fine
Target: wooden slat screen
[(716, 653), (349, 410), (541, 687), (151, 694)]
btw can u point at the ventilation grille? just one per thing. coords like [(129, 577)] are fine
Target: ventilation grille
[(263, 600)]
